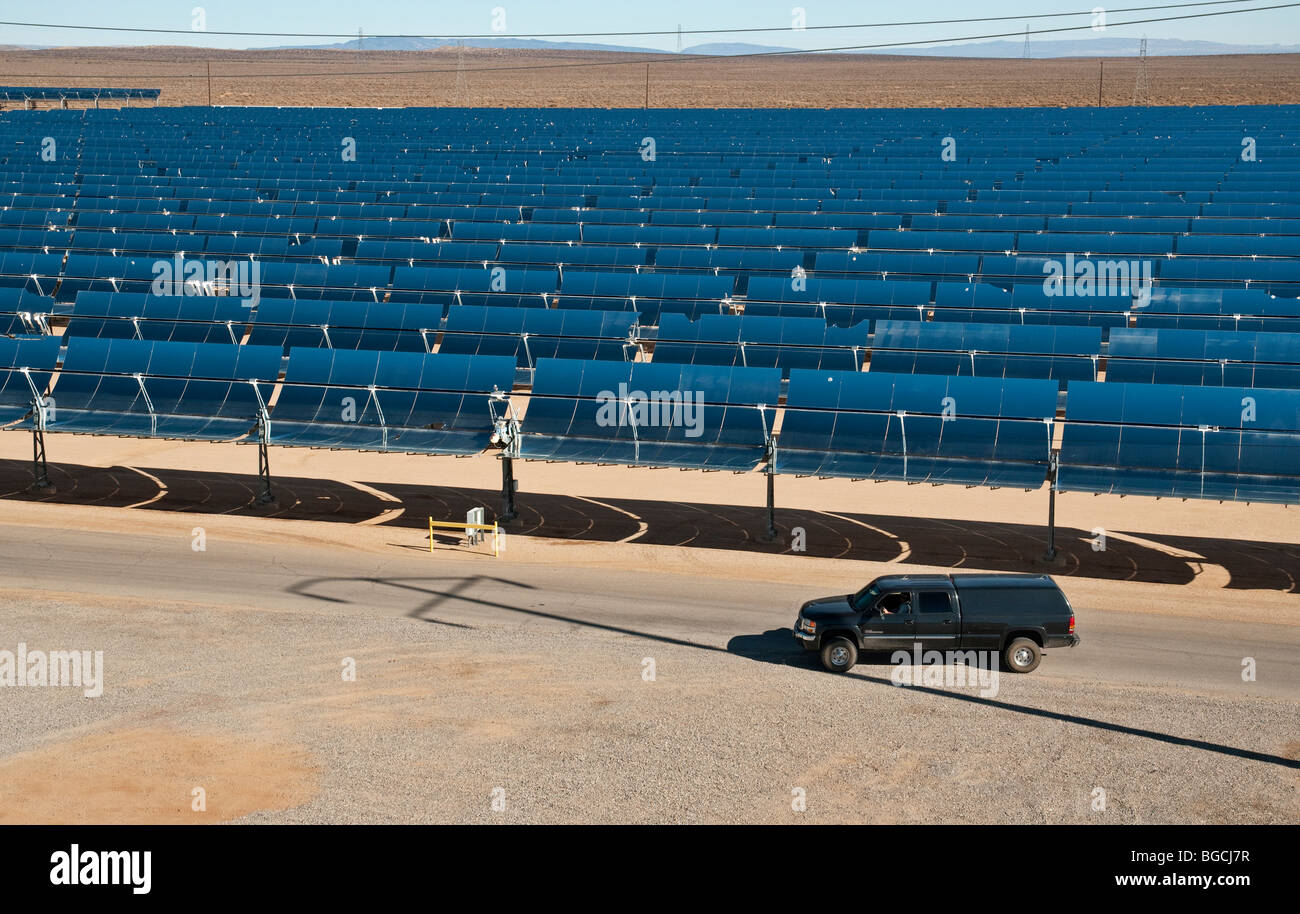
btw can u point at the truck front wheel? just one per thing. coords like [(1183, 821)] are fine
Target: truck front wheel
[(839, 655), (1022, 655)]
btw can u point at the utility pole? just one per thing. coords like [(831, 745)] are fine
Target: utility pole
[(679, 38), (1101, 78), (647, 85), (1026, 41), (209, 63), (1142, 88), (460, 74)]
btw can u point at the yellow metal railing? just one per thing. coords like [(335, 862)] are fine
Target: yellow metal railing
[(496, 531)]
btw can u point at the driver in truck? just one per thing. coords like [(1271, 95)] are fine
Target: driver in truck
[(895, 603)]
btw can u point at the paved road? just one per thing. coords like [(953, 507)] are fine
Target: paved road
[(476, 674), (1119, 647)]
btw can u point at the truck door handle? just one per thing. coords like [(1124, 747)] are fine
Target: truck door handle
[(947, 622)]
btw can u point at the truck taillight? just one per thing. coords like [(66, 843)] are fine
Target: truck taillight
[(1071, 623)]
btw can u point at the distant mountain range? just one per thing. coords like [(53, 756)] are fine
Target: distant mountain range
[(431, 44), (1100, 47), (1084, 47)]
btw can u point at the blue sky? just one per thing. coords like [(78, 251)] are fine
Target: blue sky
[(532, 16)]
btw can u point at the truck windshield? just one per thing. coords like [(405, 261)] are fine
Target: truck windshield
[(865, 597)]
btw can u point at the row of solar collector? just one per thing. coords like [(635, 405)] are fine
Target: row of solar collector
[(622, 154), (195, 155), (56, 93), (810, 151), (495, 127), (276, 172), (234, 164), (612, 244), (633, 208), (445, 129), (569, 223), (823, 157), (1164, 440), (509, 204), (469, 168), (875, 181), (632, 245), (809, 157), (855, 129), (42, 254), (827, 245), (331, 182), (743, 212), (814, 155), (635, 192), (1167, 199), (1060, 353), (1012, 284), (573, 234), (170, 232), (608, 134), (650, 296)]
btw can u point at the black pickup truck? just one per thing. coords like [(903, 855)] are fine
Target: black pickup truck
[(1015, 615)]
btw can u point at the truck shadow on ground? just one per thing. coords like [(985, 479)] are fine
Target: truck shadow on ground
[(931, 542), (776, 646)]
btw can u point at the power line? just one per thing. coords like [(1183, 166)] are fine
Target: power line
[(460, 76), (669, 58), (630, 34), (1142, 87), (249, 54)]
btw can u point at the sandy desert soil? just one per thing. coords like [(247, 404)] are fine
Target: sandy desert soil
[(524, 673), (526, 676), (584, 509), (513, 78)]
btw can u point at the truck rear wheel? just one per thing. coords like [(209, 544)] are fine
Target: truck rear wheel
[(839, 655), (1022, 655)]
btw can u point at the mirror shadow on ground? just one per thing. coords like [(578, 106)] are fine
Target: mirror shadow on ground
[(932, 542)]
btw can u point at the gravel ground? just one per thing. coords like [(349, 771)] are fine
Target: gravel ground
[(557, 720)]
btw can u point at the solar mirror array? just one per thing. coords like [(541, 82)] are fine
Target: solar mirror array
[(817, 293)]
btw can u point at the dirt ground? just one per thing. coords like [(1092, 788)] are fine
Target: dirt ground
[(511, 78), (583, 511), (522, 676)]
